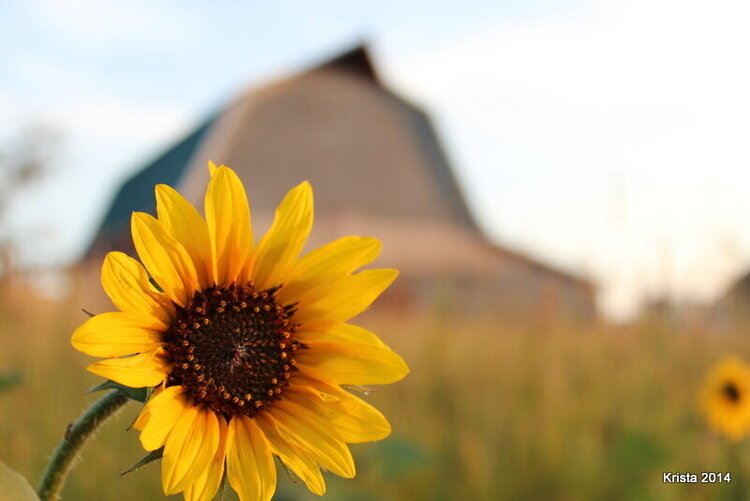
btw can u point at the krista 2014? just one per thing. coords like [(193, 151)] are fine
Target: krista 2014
[(693, 478)]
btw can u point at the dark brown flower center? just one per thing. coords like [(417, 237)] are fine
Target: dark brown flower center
[(233, 348), (731, 392)]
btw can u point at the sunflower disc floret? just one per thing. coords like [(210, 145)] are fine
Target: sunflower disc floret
[(232, 348)]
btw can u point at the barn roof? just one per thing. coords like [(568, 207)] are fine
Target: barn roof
[(169, 167), (137, 194), (173, 165)]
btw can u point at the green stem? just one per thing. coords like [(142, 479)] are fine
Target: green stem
[(738, 474), (66, 451)]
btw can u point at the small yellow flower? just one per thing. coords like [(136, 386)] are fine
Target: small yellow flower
[(248, 345), (725, 398)]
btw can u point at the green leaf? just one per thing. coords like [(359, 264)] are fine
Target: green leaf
[(9, 380), (401, 457), (635, 454), (219, 496), (14, 487), (151, 456), (156, 286), (137, 394)]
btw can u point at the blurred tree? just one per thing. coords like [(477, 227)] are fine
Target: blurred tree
[(24, 159)]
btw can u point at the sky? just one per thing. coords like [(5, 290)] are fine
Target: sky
[(608, 138)]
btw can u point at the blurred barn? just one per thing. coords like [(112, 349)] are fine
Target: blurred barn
[(732, 310), (377, 168)]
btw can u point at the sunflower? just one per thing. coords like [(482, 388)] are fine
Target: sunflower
[(246, 346), (725, 398)]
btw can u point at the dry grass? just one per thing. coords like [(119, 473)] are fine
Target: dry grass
[(491, 411)]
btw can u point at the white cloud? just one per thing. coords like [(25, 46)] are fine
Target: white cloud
[(109, 117), (104, 24), (83, 107)]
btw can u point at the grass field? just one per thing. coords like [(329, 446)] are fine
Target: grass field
[(490, 411)]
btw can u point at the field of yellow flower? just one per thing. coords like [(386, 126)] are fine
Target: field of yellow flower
[(489, 411)]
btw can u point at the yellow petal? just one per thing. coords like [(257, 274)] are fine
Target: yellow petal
[(329, 262), (212, 168), (351, 363), (189, 449), (345, 298), (250, 467), (138, 371), (339, 332), (126, 283), (309, 431), (187, 226), (208, 483), (161, 412), (354, 420), (282, 244), (117, 334), (165, 258), (141, 419), (228, 218), (294, 457)]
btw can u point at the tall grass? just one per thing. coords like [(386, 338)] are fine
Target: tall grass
[(491, 411)]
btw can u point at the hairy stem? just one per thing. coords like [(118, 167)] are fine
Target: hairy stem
[(66, 451)]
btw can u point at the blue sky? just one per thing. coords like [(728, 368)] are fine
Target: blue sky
[(609, 137)]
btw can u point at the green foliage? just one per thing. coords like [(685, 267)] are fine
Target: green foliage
[(137, 394), (148, 458), (636, 453), (397, 458), (9, 380), (635, 456)]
